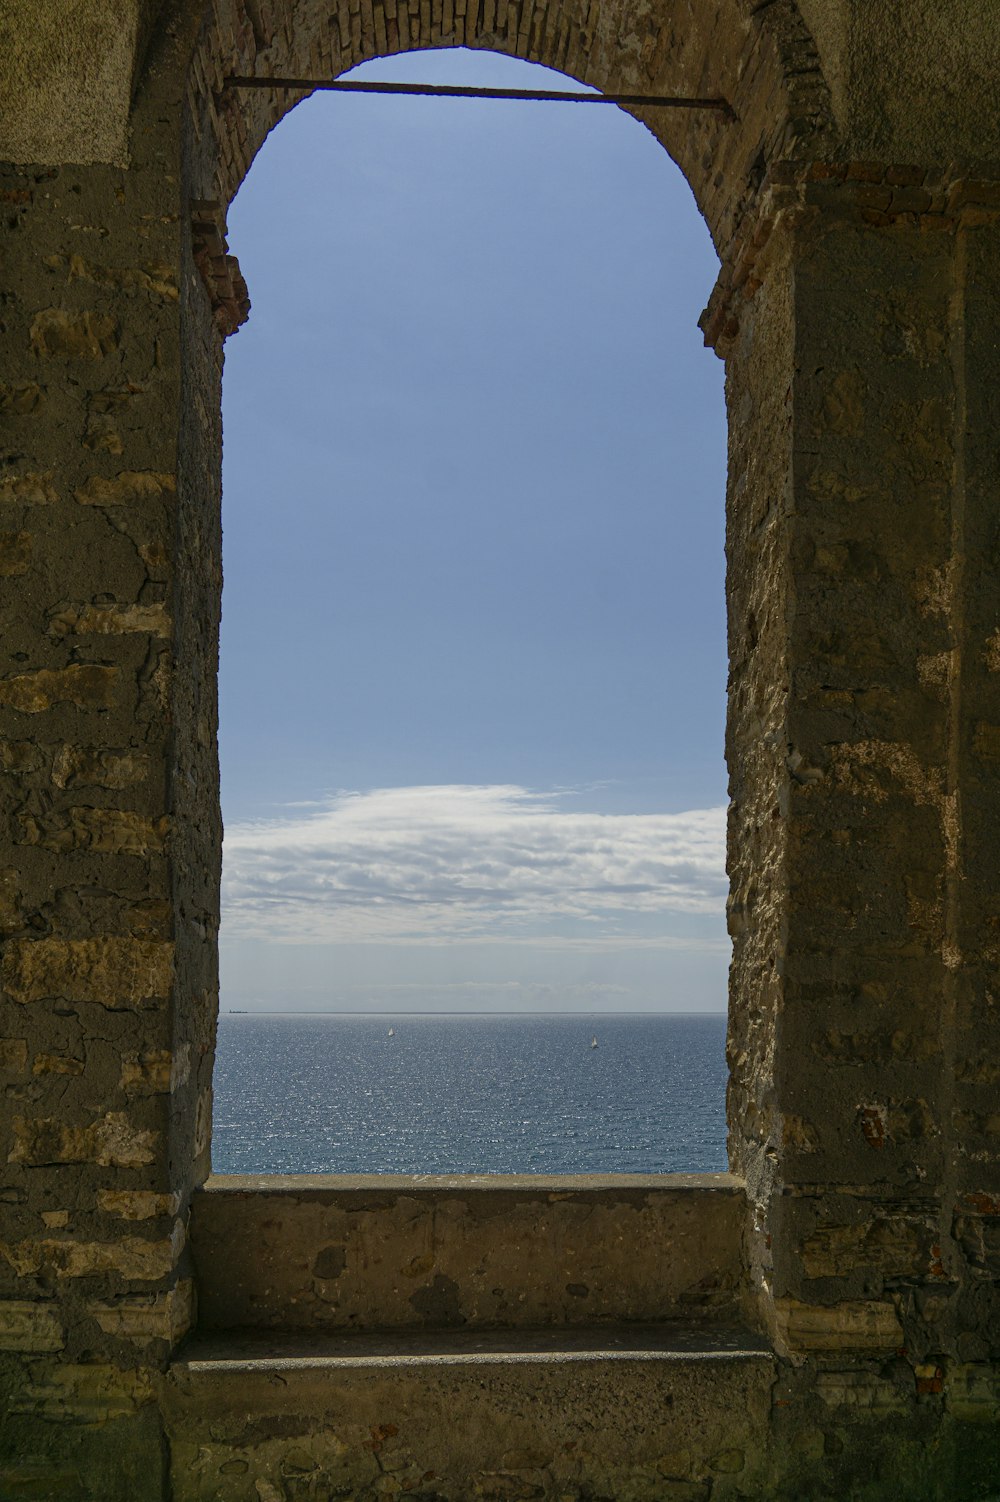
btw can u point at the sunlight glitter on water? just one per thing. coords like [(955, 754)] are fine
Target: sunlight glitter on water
[(470, 1094)]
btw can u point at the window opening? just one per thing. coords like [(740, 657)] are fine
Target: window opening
[(473, 670)]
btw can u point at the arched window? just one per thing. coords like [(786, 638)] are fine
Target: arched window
[(473, 657)]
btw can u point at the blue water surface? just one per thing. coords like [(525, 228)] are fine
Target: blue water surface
[(469, 1094)]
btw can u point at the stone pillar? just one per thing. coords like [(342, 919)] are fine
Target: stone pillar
[(110, 573), (972, 1052), (864, 553)]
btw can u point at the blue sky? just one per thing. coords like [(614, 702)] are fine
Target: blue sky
[(473, 655)]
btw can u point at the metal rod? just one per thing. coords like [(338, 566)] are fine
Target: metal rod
[(452, 91)]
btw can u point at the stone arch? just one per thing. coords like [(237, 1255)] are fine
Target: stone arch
[(761, 58)]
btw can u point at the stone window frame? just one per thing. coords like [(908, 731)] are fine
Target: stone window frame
[(766, 68)]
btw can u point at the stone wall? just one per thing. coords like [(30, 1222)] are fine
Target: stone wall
[(859, 727), (856, 315)]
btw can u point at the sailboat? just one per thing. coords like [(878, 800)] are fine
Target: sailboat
[(593, 1041), (391, 1033)]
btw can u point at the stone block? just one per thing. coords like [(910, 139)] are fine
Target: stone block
[(111, 620), (21, 399), (28, 1326), (895, 1121), (889, 1245), (20, 758), (10, 909), (144, 1318), (93, 1393), (532, 1251), (95, 766), (130, 1257), (155, 277), (15, 553), (102, 435), (59, 1452), (118, 973), (125, 487), (972, 1393), (84, 685), (103, 831), (153, 1073), (110, 1141), (56, 1063), (14, 1055), (986, 742), (856, 1388), (851, 1325), (56, 334), (137, 1204)]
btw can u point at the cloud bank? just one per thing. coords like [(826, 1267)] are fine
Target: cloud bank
[(427, 864)]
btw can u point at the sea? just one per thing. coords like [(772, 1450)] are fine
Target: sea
[(470, 1093)]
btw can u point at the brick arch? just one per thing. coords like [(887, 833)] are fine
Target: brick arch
[(761, 58)]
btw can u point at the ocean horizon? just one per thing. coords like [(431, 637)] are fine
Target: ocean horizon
[(438, 1092)]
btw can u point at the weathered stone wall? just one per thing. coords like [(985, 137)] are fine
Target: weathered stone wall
[(857, 313), (910, 80), (388, 1252), (110, 808), (863, 697), (760, 58)]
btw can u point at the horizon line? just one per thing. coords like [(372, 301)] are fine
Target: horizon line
[(447, 1012)]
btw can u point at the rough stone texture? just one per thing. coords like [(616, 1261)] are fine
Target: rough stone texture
[(911, 80), (875, 940), (858, 223), (491, 1419), (379, 1252), (67, 69)]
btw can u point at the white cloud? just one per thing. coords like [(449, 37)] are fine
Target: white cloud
[(426, 864)]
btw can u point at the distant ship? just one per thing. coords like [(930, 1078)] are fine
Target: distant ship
[(593, 1041), (392, 1032)]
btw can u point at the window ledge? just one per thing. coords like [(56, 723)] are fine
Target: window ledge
[(384, 1252)]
